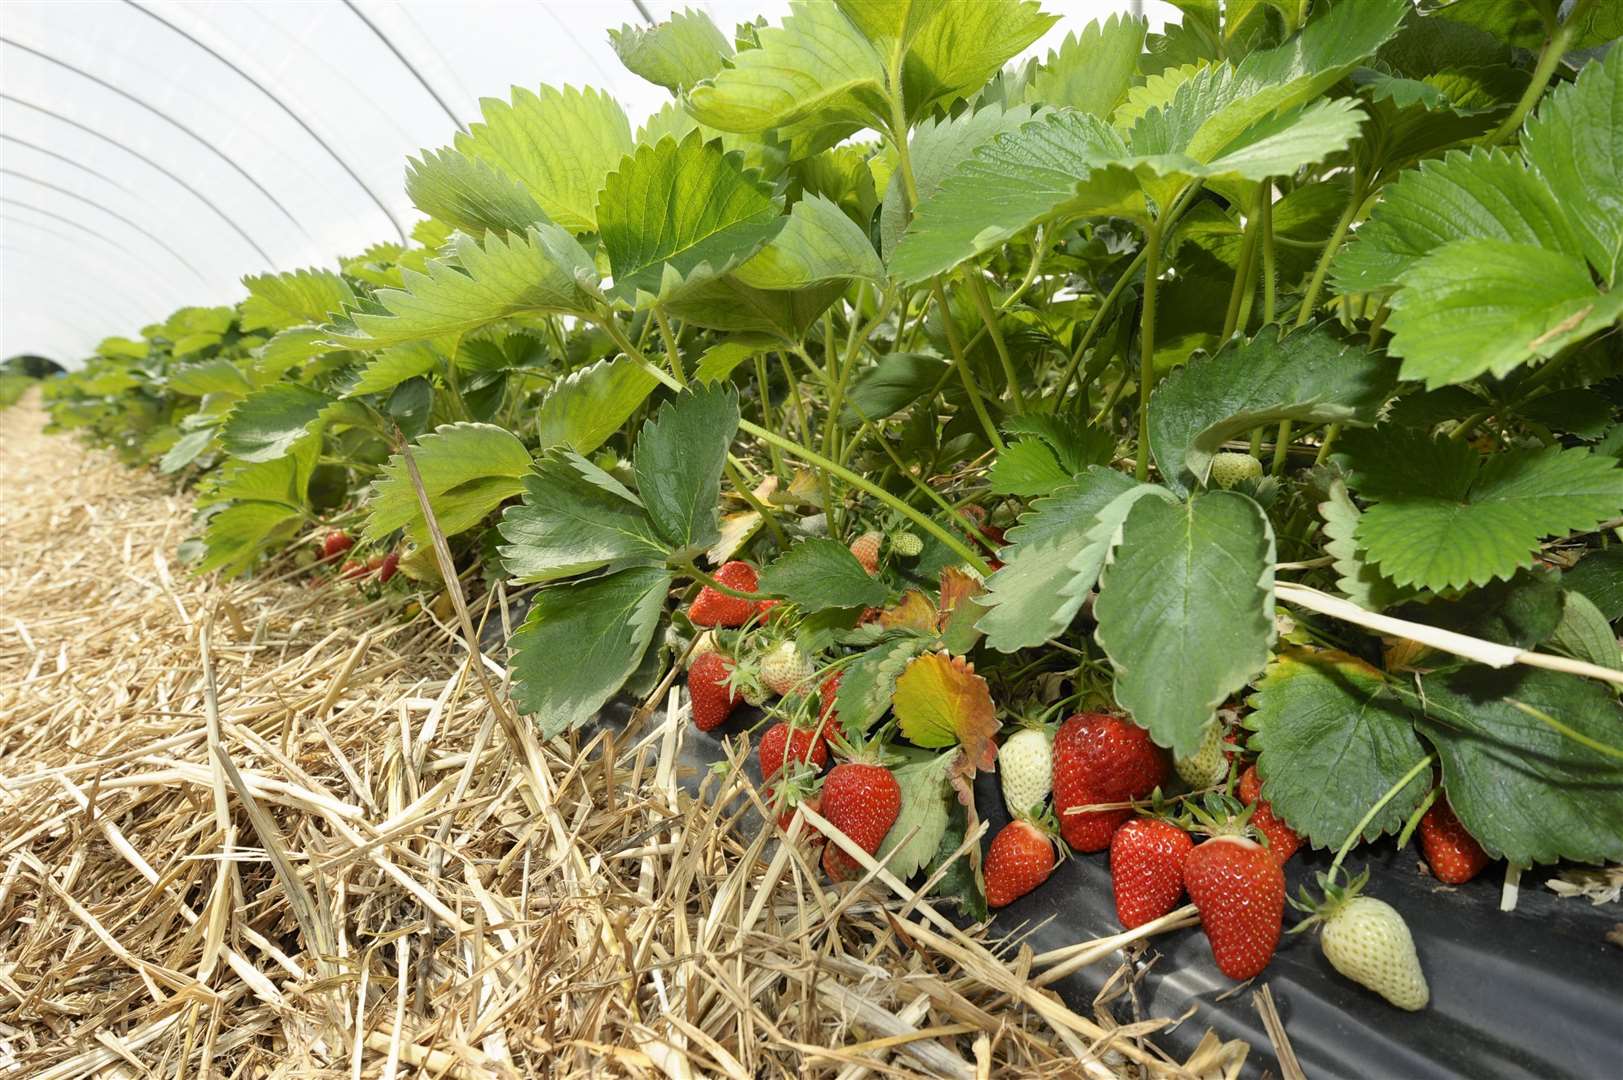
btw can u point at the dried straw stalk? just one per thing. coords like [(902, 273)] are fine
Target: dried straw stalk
[(264, 830)]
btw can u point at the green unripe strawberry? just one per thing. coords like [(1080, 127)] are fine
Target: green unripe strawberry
[(907, 544), (1230, 468), (1367, 940), (1207, 766), (1025, 768)]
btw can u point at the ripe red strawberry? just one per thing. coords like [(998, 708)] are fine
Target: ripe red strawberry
[(353, 571), (335, 544), (783, 743), (1240, 891), (1146, 869), (814, 803), (1102, 759), (387, 566), (712, 608), (1020, 859), (763, 608), (866, 549), (712, 695), (861, 799), (826, 692), (1453, 854), (1282, 839)]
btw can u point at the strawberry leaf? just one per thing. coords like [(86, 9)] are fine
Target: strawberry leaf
[(820, 573), (1443, 517), (575, 518), (583, 410), (1524, 789), (870, 681), (679, 457), (467, 469), (941, 702), (1186, 610), (926, 804), (1333, 739)]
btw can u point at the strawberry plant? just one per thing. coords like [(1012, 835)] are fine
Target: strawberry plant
[(1260, 375)]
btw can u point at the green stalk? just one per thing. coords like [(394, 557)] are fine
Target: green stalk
[(983, 301), (1146, 366), (1095, 325), (962, 364), (1282, 445), (1242, 275), (741, 486), (1554, 49), (811, 457), (766, 407), (1270, 283), (1311, 300), (672, 356), (1358, 830)]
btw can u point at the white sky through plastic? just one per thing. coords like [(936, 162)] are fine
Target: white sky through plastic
[(152, 152)]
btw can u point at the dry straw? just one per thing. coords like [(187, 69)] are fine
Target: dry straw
[(266, 830)]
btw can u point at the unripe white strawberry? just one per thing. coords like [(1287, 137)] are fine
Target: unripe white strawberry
[(1025, 768), (1230, 468), (1367, 940), (786, 670), (705, 643), (907, 544), (1206, 767)]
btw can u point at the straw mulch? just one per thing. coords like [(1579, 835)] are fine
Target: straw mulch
[(267, 830)]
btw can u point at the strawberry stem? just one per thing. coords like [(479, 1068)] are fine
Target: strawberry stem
[(1391, 793)]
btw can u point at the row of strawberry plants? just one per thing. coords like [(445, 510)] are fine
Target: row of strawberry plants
[(1247, 393)]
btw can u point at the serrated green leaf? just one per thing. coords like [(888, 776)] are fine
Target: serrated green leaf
[(1309, 376), (1599, 576), (236, 536), (725, 303), (1584, 632), (265, 424), (895, 382), (470, 194), (1058, 548), (816, 75), (817, 244), (1521, 22), (580, 643), (1186, 610), (585, 409), (1488, 195), (1357, 577), (1444, 518), (217, 376), (1475, 306), (678, 209), (678, 461), (676, 53), (870, 681), (1575, 141), (926, 805), (720, 359), (185, 450), (534, 274), (281, 480), (1333, 740), (1523, 611), (936, 147), (961, 46), (558, 144), (1091, 71), (280, 301), (467, 470), (290, 348), (1011, 180), (1526, 791), (1027, 468), (575, 518), (818, 574), (1075, 446), (1573, 411), (393, 366)]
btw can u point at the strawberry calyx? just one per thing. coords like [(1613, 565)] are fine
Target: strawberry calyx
[(1336, 896)]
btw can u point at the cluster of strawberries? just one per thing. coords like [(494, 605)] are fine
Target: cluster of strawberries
[(859, 795), (336, 544), (1101, 768)]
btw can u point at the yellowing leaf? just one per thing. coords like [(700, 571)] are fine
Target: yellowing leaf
[(940, 700)]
